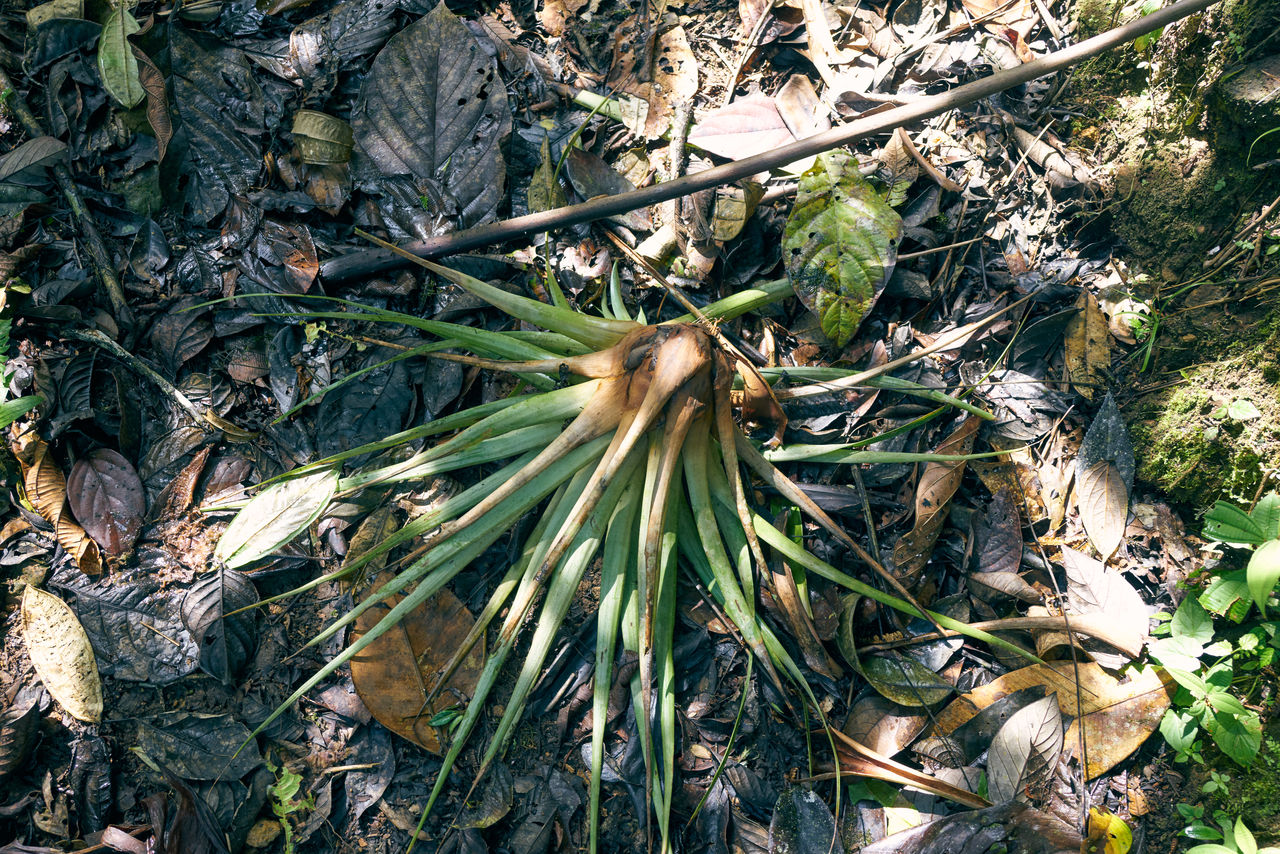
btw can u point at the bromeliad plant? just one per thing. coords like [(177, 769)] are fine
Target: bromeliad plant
[(647, 472)]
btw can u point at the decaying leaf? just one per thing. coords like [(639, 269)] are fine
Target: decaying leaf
[(1010, 827), (47, 491), (433, 107), (1094, 589), (106, 496), (226, 642), (394, 674), (1117, 716), (840, 244), (275, 516), (937, 484), (61, 654), (1025, 750), (661, 71), (904, 680), (200, 747), (545, 192), (18, 728), (1104, 506), (750, 125), (882, 725), (802, 824), (1087, 349)]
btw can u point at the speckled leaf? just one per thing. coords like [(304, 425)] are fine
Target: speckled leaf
[(802, 824), (61, 654), (275, 516), (840, 244), (433, 107)]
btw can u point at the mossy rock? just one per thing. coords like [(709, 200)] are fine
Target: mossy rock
[(1217, 433)]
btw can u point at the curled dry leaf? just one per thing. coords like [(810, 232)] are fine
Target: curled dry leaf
[(61, 654), (47, 491), (395, 673), (1093, 589), (106, 495)]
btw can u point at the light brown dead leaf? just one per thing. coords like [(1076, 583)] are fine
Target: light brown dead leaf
[(46, 489), (1087, 348), (61, 654), (395, 673), (1103, 502), (660, 71), (1117, 716), (937, 484)]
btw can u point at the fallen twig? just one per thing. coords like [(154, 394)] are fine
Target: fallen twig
[(369, 261)]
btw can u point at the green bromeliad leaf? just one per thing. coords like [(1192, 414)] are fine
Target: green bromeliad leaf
[(840, 244)]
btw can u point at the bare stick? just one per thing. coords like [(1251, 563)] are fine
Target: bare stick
[(374, 260)]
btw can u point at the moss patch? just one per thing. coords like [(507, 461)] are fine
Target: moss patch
[(1217, 433)]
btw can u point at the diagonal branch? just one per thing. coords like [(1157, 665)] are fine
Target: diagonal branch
[(373, 260)]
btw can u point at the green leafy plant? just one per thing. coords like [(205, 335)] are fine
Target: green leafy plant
[(646, 473), (285, 801), (1230, 836), (1211, 664), (11, 410)]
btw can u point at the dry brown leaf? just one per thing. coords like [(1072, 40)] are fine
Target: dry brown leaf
[(555, 14), (61, 654), (662, 72), (938, 483), (47, 491), (1118, 716), (1087, 349), (748, 126), (883, 725), (395, 673), (106, 496), (1103, 502)]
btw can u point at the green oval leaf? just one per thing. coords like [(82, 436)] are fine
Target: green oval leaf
[(840, 244), (116, 62), (1227, 523), (1263, 572), (274, 517), (904, 680)]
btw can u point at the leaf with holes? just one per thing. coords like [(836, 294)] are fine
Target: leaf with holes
[(840, 244), (107, 498), (226, 642), (1025, 750), (61, 654), (433, 107), (275, 516)]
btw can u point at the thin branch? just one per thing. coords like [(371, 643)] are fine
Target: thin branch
[(364, 262)]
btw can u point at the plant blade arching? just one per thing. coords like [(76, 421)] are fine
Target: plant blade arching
[(649, 470)]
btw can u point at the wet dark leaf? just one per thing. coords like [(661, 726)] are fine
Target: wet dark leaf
[(283, 378), (33, 154), (364, 411), (592, 177), (135, 627), (434, 108), (200, 747), (802, 824), (90, 778), (1011, 827), (179, 335), (17, 736), (226, 643), (371, 747), (222, 112), (107, 498)]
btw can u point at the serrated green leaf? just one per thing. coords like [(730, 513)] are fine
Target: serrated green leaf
[(904, 680), (275, 516), (116, 62), (1263, 572), (840, 244), (1227, 523)]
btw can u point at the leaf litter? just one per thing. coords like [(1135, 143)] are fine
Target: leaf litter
[(456, 122)]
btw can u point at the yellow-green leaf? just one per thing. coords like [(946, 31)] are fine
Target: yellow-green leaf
[(116, 62), (61, 654), (840, 244)]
